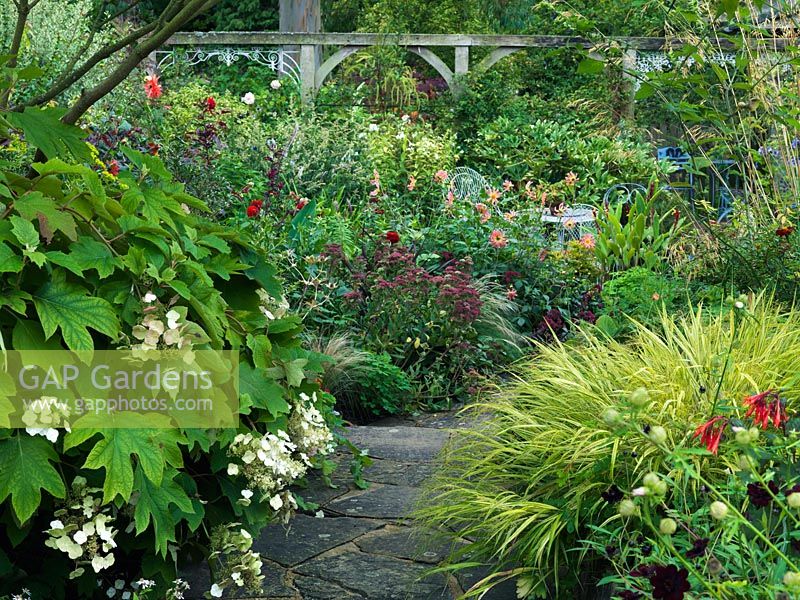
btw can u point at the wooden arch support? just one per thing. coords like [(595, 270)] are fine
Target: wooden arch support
[(338, 57)]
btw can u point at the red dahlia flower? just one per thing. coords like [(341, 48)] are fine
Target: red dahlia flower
[(252, 211), (764, 407), (257, 203), (784, 231), (152, 88), (393, 237), (710, 433)]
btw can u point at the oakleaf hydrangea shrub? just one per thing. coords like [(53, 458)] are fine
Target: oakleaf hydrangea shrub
[(93, 258)]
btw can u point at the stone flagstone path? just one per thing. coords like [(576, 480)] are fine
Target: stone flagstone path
[(365, 548)]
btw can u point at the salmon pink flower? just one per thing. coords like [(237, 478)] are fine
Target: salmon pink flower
[(412, 183), (570, 179), (511, 293), (510, 216), (497, 239), (587, 241), (507, 185), (710, 433), (483, 211), (493, 195), (440, 176), (152, 88), (449, 199)]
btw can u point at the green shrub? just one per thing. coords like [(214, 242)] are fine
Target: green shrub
[(527, 485), (86, 258), (380, 387)]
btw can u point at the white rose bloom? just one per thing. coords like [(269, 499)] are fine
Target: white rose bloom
[(275, 84), (150, 297), (249, 98)]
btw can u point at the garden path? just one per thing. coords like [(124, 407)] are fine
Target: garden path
[(365, 548)]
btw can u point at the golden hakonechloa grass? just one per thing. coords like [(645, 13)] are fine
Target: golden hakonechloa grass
[(526, 481)]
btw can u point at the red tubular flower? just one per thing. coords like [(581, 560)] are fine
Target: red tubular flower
[(710, 433), (152, 88), (393, 237), (764, 407), (252, 211)]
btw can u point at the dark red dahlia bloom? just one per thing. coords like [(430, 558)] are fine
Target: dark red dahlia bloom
[(784, 231), (612, 495), (710, 433), (252, 211), (698, 548), (643, 571), (670, 583), (760, 496), (257, 203), (393, 237), (764, 407)]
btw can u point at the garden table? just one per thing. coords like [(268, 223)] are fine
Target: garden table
[(572, 222)]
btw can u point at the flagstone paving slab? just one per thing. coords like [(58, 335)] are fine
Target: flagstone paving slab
[(392, 502), (309, 536), (364, 548)]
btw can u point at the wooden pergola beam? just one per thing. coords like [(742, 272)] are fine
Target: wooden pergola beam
[(269, 38)]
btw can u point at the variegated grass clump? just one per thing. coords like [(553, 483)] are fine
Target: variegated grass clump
[(527, 480)]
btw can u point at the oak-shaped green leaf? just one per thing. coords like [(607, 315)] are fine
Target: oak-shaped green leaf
[(43, 129), (10, 262), (66, 306), (35, 205), (116, 449), (26, 470), (155, 504)]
